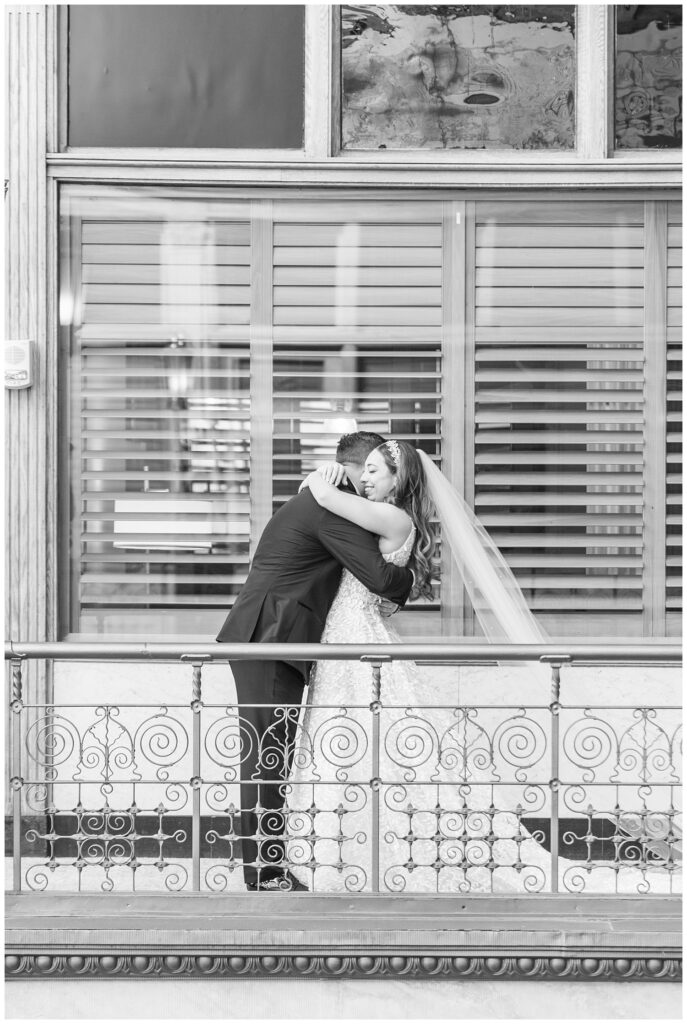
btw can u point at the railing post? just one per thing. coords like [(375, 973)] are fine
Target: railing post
[(16, 781), (375, 780), (555, 661), (196, 779)]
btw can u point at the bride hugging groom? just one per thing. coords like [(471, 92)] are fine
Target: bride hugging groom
[(368, 514)]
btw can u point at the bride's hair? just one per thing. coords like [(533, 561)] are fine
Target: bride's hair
[(411, 494)]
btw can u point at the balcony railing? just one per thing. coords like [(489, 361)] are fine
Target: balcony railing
[(496, 797), (523, 825)]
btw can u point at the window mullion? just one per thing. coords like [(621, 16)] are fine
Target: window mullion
[(261, 359), (594, 101), (318, 80), (455, 408), (655, 361)]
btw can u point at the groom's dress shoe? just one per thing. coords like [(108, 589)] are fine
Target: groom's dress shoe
[(282, 883)]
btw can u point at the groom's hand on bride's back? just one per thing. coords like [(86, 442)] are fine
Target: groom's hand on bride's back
[(388, 607)]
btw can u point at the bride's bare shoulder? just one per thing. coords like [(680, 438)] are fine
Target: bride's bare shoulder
[(398, 526)]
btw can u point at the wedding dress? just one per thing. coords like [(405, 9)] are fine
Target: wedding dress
[(438, 828), (411, 794)]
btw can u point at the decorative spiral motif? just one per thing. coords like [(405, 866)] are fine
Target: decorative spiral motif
[(229, 742), (300, 825), (576, 798), (355, 878), (355, 797), (342, 742), (176, 798), (52, 740), (452, 852), (302, 751), (217, 798), (534, 797), (218, 877), (533, 879), (37, 878), (452, 825), (521, 742), (411, 741), (589, 743), (176, 877), (36, 797), (163, 741), (395, 878)]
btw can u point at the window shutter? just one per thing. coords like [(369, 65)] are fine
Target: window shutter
[(357, 329), (559, 404), (160, 369)]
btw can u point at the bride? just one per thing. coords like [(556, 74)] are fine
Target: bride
[(438, 827)]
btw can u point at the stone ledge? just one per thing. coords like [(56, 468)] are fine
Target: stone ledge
[(306, 935)]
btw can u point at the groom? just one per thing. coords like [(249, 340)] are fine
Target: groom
[(292, 582)]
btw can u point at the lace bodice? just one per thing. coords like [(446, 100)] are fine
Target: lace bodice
[(401, 555)]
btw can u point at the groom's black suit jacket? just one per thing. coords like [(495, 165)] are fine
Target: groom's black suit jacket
[(296, 572)]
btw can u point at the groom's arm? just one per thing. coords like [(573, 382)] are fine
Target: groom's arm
[(358, 551)]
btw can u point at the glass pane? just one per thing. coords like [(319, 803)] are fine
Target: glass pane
[(560, 406), (223, 76), (358, 346), (648, 76), (155, 308), (468, 77), (173, 363)]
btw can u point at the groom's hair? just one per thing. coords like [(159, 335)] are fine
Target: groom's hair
[(356, 447)]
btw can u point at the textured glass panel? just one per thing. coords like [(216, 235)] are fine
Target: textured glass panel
[(222, 76), (468, 77), (648, 76)]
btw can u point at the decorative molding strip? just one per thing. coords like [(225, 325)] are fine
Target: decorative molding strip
[(197, 965)]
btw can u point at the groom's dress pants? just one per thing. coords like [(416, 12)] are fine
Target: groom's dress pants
[(267, 752)]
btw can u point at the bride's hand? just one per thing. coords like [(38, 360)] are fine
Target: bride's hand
[(332, 473)]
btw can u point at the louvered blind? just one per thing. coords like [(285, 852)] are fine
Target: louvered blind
[(558, 471), (159, 432), (674, 424), (214, 351), (357, 329)]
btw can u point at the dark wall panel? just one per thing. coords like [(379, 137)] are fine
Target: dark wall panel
[(223, 76)]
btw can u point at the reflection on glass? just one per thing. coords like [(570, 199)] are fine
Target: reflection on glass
[(648, 76), (449, 77), (158, 439), (357, 328)]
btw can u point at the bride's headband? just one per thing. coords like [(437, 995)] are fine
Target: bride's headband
[(395, 451)]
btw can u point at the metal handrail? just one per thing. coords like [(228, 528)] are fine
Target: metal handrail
[(435, 651), (550, 656)]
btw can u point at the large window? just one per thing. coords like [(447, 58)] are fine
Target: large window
[(215, 350)]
